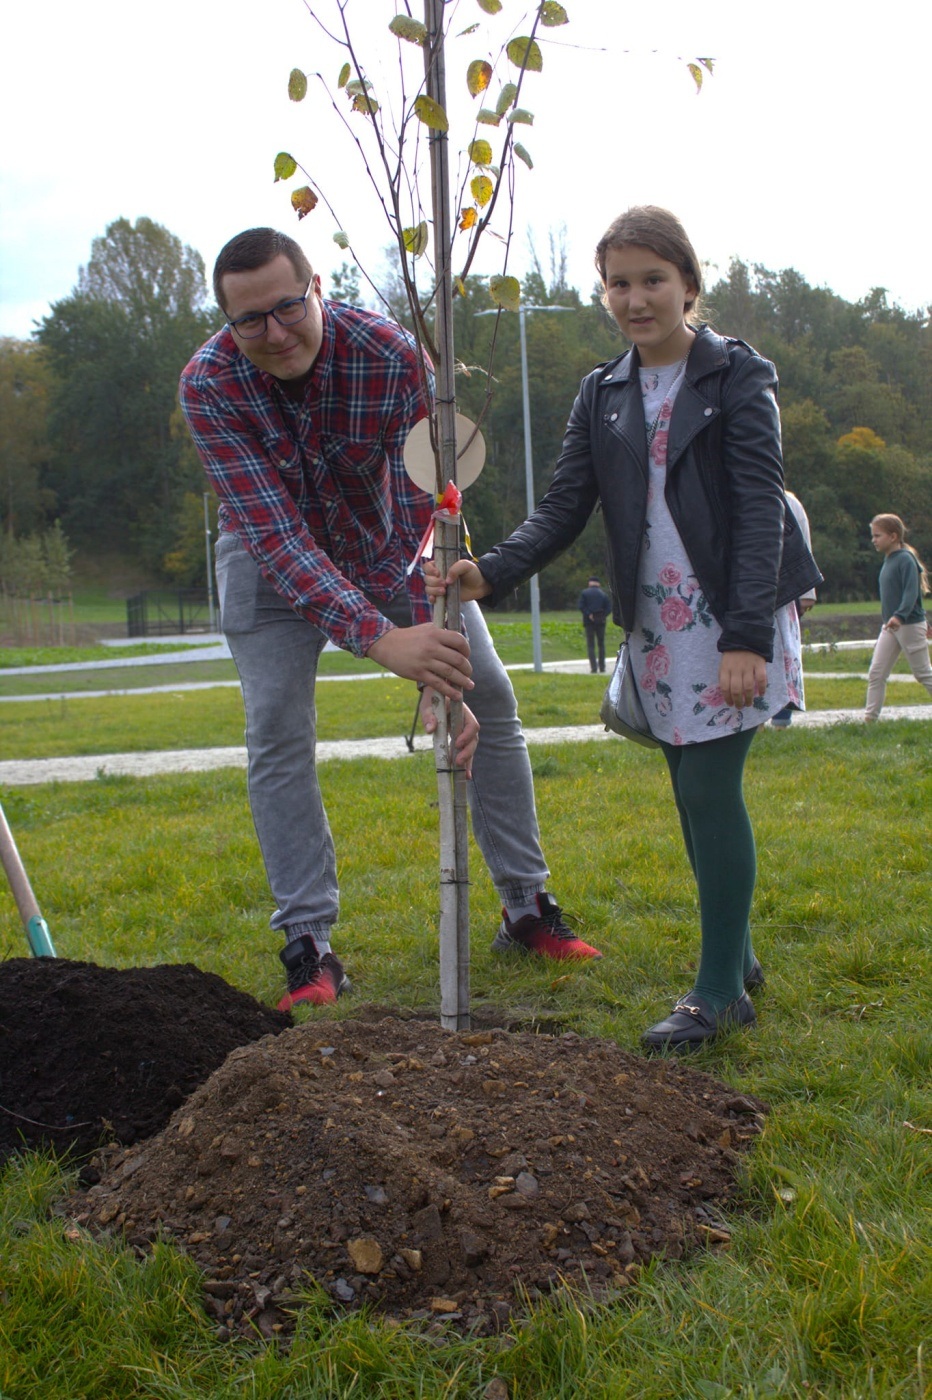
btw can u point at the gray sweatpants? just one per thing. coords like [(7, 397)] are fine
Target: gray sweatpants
[(276, 654)]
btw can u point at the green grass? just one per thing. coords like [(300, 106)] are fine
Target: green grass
[(826, 1290)]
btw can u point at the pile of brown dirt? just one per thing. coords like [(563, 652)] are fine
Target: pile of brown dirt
[(431, 1175), (97, 1054)]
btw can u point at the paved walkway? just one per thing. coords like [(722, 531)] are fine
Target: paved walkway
[(22, 772)]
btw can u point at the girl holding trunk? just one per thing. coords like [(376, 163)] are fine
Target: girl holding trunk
[(678, 441)]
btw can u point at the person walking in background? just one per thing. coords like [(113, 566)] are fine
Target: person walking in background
[(784, 718), (679, 442), (595, 606), (903, 581), (299, 409)]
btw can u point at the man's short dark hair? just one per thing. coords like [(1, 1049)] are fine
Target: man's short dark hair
[(257, 247), (593, 579)]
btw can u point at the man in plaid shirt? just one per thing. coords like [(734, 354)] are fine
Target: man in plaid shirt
[(299, 409)]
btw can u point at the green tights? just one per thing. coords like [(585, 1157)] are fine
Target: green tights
[(707, 786)]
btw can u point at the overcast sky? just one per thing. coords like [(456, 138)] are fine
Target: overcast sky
[(807, 149)]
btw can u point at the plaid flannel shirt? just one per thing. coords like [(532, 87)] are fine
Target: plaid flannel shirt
[(317, 490)]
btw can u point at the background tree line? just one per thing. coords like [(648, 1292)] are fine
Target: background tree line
[(91, 435)]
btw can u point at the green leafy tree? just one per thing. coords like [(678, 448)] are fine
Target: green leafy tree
[(24, 449), (115, 349)]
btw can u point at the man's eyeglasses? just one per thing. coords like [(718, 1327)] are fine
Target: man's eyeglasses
[(287, 313)]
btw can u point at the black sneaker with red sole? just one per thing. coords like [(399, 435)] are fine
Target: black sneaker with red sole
[(312, 979)]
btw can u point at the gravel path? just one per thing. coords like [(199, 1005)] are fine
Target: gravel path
[(21, 772)]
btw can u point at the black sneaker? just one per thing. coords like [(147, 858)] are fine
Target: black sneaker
[(543, 933), (311, 978)]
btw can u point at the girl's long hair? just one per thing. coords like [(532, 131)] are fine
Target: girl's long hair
[(893, 525)]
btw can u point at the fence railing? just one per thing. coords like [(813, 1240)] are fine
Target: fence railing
[(166, 614)]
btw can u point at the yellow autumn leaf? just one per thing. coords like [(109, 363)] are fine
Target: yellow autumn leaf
[(552, 14), (505, 292), (478, 76), (486, 117), (303, 200), (365, 104), (491, 7), (415, 239), (344, 76), (481, 188), (525, 53), (508, 94), (696, 73), (480, 153), (285, 166), (468, 218), (459, 288), (404, 27), (430, 113)]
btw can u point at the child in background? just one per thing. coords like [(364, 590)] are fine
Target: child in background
[(679, 441), (903, 581)]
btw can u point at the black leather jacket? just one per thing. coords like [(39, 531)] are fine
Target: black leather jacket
[(724, 489)]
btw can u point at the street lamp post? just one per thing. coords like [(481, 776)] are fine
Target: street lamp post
[(529, 464)]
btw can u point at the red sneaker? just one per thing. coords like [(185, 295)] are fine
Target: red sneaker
[(544, 933), (311, 978)]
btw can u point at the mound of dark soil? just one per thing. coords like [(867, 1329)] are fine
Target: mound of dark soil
[(96, 1054), (428, 1174)]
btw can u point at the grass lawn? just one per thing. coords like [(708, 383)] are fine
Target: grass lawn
[(826, 1289)]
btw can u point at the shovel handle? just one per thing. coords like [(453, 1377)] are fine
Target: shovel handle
[(36, 928)]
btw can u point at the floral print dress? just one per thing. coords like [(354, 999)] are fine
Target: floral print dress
[(673, 646)]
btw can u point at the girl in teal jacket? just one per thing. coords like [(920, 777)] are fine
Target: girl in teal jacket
[(903, 580)]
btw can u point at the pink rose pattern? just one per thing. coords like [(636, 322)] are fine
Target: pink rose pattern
[(674, 608)]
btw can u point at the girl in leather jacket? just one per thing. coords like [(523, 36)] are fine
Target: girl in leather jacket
[(679, 441)]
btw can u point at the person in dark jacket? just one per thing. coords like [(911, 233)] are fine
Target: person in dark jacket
[(678, 440), (595, 606)]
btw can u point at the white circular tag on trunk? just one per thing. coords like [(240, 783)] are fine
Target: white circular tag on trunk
[(419, 455)]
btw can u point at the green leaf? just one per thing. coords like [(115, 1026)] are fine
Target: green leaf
[(505, 292), (478, 76), (522, 115), (415, 239), (303, 200), (430, 113), (285, 166), (470, 29), (482, 189), (412, 30), (487, 117), (522, 154), (341, 239), (491, 7), (358, 86), (525, 53), (297, 85), (707, 63), (344, 76), (552, 14), (508, 94), (480, 153)]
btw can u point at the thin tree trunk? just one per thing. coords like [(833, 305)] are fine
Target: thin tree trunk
[(454, 862)]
